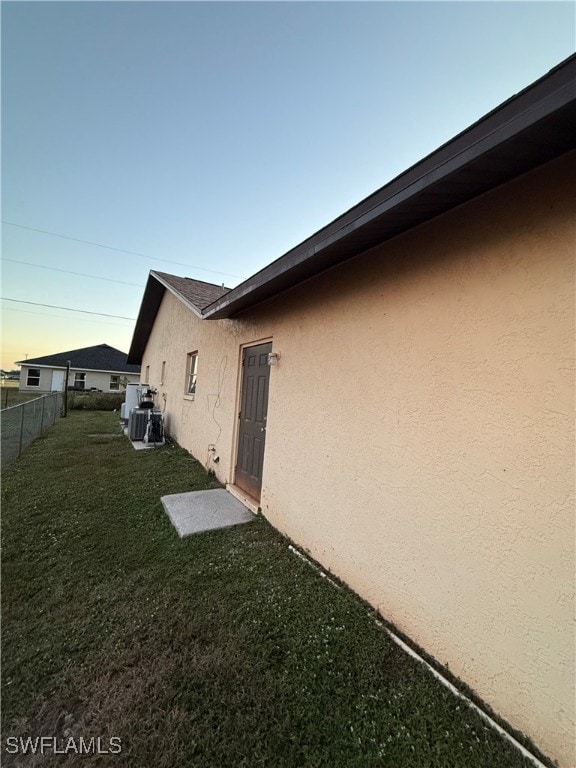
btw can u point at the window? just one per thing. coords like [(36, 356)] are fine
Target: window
[(114, 383), (163, 376), (33, 379), (79, 380), (192, 372)]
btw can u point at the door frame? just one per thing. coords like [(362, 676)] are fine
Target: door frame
[(237, 407)]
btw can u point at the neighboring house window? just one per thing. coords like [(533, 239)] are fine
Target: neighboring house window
[(114, 383), (33, 379), (147, 377), (163, 376), (192, 369), (79, 380)]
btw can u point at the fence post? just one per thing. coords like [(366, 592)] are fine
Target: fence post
[(66, 388), (55, 396), (21, 429), (42, 416)]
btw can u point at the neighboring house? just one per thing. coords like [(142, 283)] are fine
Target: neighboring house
[(101, 367), (414, 431), (10, 375)]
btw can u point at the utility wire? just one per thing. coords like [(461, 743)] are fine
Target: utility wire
[(68, 309), (120, 250), (63, 317), (69, 272)]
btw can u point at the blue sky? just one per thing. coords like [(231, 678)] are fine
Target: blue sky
[(218, 135)]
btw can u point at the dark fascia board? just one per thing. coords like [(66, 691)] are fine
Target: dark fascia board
[(531, 128), (153, 294)]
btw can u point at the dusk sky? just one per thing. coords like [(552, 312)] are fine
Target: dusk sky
[(211, 137)]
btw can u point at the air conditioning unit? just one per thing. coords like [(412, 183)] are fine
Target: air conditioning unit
[(155, 430), (137, 423)]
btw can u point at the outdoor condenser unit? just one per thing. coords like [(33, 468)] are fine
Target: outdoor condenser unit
[(137, 423)]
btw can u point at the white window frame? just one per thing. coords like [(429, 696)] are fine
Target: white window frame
[(33, 377), (114, 382), (191, 374), (79, 378)]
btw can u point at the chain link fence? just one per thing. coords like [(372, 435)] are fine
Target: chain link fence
[(22, 424)]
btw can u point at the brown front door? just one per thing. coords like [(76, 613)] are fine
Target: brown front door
[(252, 418)]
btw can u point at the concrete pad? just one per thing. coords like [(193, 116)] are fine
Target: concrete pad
[(139, 445), (200, 511), (106, 435)]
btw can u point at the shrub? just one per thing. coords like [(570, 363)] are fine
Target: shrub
[(95, 401)]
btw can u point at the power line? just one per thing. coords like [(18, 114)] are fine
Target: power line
[(120, 250), (69, 272), (62, 317), (68, 309)]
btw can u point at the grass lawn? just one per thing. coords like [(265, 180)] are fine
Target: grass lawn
[(10, 395), (220, 650)]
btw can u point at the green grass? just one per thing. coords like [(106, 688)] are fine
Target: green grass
[(220, 650), (89, 401), (10, 395)]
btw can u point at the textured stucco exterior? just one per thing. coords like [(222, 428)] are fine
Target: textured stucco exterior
[(94, 379), (420, 438)]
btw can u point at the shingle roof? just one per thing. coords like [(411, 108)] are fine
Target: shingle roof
[(197, 292), (102, 357)]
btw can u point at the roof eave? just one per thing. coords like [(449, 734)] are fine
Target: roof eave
[(532, 128)]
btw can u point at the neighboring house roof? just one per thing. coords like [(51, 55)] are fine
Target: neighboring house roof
[(531, 128), (102, 357)]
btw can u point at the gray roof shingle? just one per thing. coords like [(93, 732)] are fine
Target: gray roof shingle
[(102, 357), (197, 292)]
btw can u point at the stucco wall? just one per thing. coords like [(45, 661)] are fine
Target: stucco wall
[(94, 379), (45, 384), (101, 380), (208, 418), (420, 435)]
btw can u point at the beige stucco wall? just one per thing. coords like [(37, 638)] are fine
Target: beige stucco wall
[(420, 437), (94, 379)]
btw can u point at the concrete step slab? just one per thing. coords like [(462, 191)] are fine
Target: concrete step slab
[(200, 511)]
